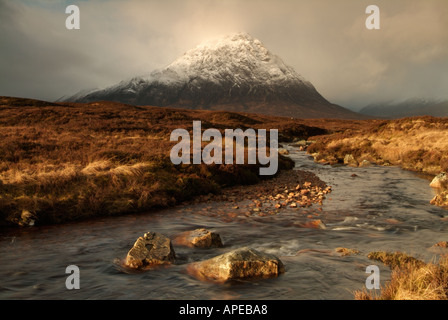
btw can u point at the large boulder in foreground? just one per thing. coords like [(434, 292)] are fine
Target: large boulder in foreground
[(440, 181), (199, 238), (150, 250), (239, 264)]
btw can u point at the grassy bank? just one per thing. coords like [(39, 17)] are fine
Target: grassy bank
[(417, 144), (411, 279), (63, 162)]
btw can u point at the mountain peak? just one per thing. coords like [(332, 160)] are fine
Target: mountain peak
[(240, 40), (238, 58), (230, 38), (235, 72)]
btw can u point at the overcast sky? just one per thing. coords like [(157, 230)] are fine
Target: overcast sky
[(325, 41)]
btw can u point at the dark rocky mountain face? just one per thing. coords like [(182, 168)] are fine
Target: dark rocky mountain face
[(234, 73)]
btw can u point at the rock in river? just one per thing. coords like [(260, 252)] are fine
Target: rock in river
[(284, 152), (199, 238), (441, 199), (350, 160), (243, 263), (150, 250), (440, 181), (27, 218), (365, 163)]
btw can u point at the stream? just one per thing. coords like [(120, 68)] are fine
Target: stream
[(381, 208)]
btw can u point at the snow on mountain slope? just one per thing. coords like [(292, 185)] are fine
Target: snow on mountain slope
[(234, 73), (239, 58)]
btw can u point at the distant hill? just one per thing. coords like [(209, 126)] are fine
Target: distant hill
[(408, 108)]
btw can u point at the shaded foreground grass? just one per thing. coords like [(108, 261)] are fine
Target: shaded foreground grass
[(411, 279), (62, 162)]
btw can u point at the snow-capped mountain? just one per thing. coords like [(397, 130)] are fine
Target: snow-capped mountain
[(233, 73)]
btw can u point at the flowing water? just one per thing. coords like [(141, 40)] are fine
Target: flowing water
[(382, 208)]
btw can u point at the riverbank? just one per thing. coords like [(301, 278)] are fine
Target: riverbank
[(411, 278), (62, 162), (418, 144)]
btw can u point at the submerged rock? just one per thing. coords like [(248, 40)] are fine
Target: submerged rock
[(239, 264), (346, 251), (439, 248), (150, 250), (283, 151), (315, 224), (199, 238), (441, 244)]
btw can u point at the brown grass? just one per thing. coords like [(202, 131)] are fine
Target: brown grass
[(395, 259), (417, 144), (411, 279), (62, 162), (346, 251)]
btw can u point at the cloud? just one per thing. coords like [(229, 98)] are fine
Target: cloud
[(325, 41)]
